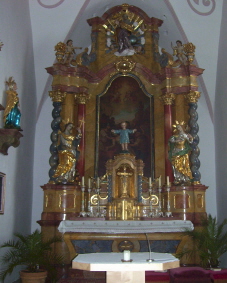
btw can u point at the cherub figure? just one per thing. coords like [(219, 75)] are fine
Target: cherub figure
[(124, 135), (178, 50), (70, 51), (12, 112)]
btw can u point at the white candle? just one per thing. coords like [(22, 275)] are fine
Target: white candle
[(98, 182), (82, 181), (126, 255), (149, 181), (159, 181), (89, 183), (167, 181)]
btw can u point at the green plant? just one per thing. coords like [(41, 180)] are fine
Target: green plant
[(210, 242), (30, 251)]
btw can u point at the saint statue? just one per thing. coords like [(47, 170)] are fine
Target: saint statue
[(68, 154), (12, 112), (179, 149), (124, 135)]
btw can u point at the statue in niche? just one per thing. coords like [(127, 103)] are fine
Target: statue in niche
[(124, 136), (178, 51), (69, 52), (68, 154), (179, 149), (12, 112)]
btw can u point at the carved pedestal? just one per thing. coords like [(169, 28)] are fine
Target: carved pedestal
[(9, 137)]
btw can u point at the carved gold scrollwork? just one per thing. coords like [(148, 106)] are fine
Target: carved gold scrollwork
[(168, 98), (57, 96), (192, 96), (82, 98), (125, 65)]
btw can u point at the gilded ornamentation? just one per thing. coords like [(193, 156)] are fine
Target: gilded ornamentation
[(82, 98), (125, 33), (125, 66), (168, 98), (192, 96), (60, 51), (189, 49), (57, 96)]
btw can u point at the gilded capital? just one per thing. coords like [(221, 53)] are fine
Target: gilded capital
[(192, 96), (82, 98), (57, 96), (168, 98)]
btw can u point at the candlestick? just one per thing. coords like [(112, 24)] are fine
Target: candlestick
[(126, 255), (89, 183), (82, 181), (98, 182), (167, 178), (159, 181), (149, 181)]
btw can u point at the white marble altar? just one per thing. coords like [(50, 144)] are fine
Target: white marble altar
[(118, 271)]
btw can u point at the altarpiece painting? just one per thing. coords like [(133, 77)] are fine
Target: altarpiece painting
[(125, 99)]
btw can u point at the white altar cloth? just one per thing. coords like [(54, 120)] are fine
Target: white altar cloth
[(122, 227)]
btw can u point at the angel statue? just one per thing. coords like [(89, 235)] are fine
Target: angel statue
[(67, 154), (12, 112), (179, 149)]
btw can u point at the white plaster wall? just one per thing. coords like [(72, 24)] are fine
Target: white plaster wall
[(49, 26), (16, 59), (221, 125)]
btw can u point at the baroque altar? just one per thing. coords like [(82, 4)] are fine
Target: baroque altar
[(125, 81)]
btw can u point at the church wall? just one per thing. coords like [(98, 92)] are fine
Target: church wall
[(221, 124), (16, 59)]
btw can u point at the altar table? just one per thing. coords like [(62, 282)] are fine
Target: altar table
[(122, 272)]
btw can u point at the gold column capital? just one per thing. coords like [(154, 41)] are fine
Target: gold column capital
[(82, 98), (57, 96), (168, 98), (192, 96)]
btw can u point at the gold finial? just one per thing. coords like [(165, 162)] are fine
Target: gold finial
[(189, 49), (60, 51)]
